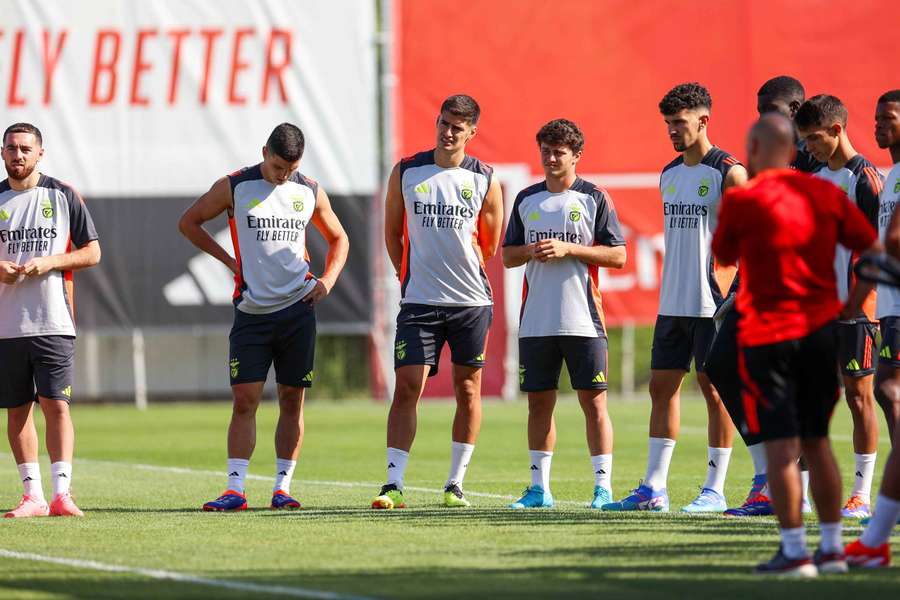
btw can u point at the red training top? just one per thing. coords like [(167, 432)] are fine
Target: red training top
[(784, 227)]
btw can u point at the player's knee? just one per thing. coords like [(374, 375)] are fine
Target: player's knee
[(406, 391), (887, 393), (55, 409), (245, 403), (858, 400), (467, 389)]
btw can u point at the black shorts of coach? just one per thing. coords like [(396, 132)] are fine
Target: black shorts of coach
[(541, 358), (721, 367), (42, 365), (791, 387), (423, 329), (856, 347), (286, 338), (678, 340)]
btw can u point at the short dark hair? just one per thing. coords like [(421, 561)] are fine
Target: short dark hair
[(287, 141), (820, 111), (783, 87), (561, 132), (891, 96), (463, 106), (685, 96), (24, 128)]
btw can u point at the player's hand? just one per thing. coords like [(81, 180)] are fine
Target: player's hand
[(9, 272), (38, 266), (549, 249), (319, 292)]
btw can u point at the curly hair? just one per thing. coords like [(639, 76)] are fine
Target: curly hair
[(821, 111), (685, 96), (561, 132)]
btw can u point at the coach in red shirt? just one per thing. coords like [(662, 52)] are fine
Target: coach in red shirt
[(783, 227)]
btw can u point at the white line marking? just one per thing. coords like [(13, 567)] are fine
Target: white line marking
[(296, 592), (344, 484)]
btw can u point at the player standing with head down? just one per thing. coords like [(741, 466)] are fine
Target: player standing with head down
[(784, 227), (783, 95), (563, 229), (270, 206), (691, 188), (46, 233), (443, 220), (872, 549), (822, 123)]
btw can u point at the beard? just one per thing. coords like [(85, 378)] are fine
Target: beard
[(19, 173)]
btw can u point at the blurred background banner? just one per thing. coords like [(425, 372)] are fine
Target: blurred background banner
[(144, 104)]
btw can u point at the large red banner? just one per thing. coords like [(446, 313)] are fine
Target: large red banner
[(605, 64)]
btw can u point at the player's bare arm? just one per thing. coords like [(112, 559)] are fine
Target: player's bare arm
[(394, 215), (490, 223), (516, 256), (207, 207), (861, 288), (326, 222), (86, 256), (725, 274), (602, 256)]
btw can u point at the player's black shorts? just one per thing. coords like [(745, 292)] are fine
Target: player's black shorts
[(423, 329), (856, 346), (541, 358), (721, 367), (791, 388), (889, 354), (286, 337), (677, 340), (44, 364)]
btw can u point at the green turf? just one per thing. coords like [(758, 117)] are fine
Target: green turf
[(139, 517)]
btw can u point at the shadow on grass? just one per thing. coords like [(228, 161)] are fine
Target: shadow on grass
[(642, 578)]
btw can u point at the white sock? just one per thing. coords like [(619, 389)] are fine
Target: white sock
[(460, 455), (878, 532), (540, 468), (237, 472), (717, 468), (793, 542), (804, 480), (758, 456), (831, 537), (865, 470), (602, 465), (659, 457), (31, 481), (284, 472), (62, 477), (396, 466)]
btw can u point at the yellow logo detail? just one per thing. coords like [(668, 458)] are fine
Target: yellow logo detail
[(534, 216), (67, 391), (480, 357), (423, 188), (521, 375), (853, 365), (599, 377), (253, 203), (400, 350), (4, 216), (309, 377), (670, 189), (234, 364), (47, 209), (886, 352)]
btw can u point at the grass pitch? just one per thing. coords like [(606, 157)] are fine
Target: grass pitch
[(141, 478)]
